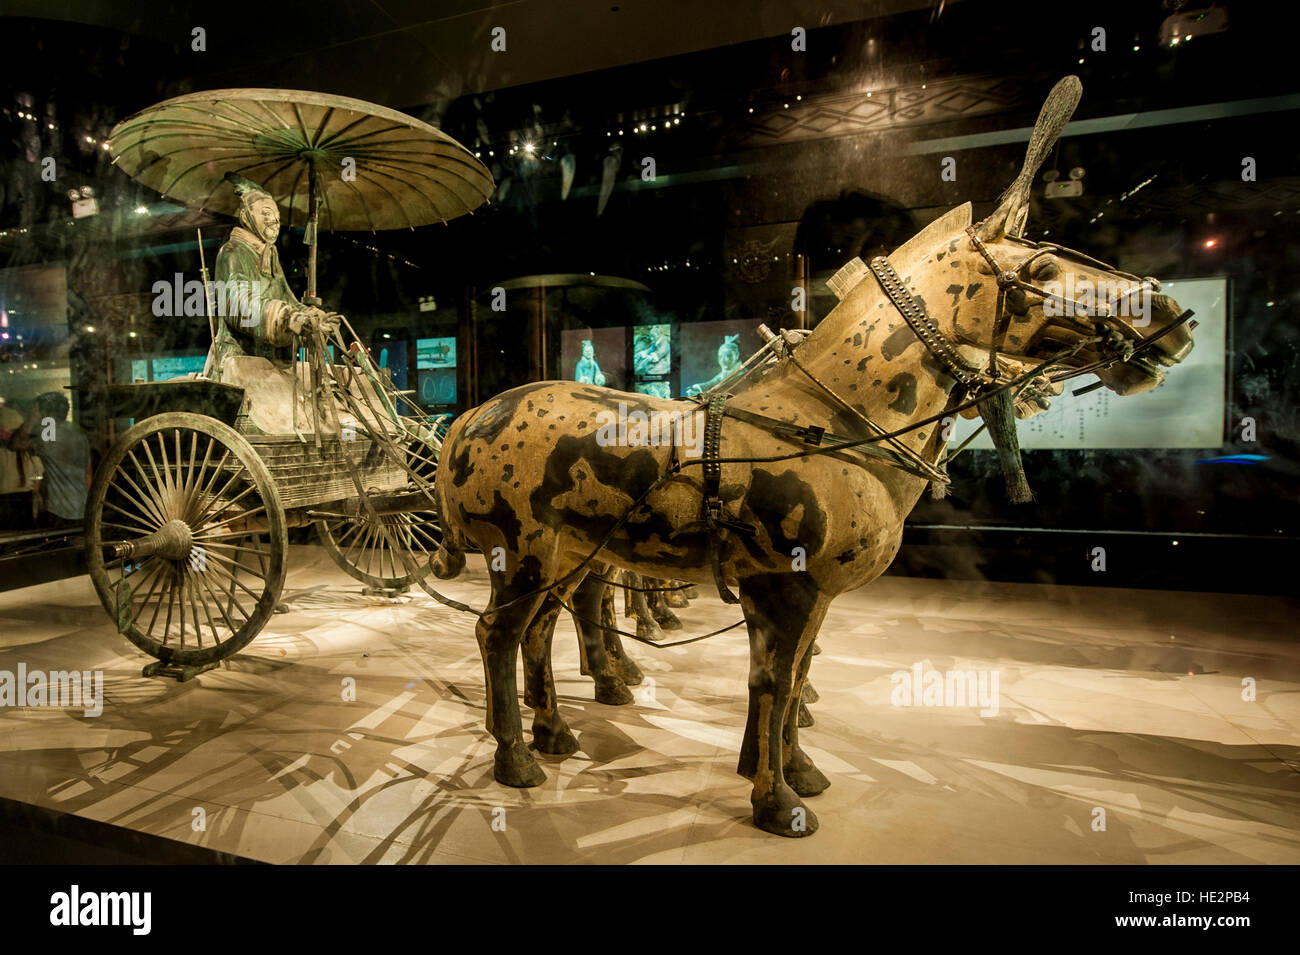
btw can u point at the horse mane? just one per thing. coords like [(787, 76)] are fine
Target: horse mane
[(952, 223)]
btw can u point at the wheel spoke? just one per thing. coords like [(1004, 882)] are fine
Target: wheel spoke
[(239, 547), (180, 481), (216, 599), (171, 600), (216, 498), (203, 535), (138, 528), (158, 510), (159, 576), (148, 480), (194, 611), (226, 505), (232, 565), (166, 471), (206, 489), (157, 474), (196, 480), (235, 581)]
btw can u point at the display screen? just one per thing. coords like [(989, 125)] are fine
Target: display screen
[(164, 369), (437, 386), (712, 351), (435, 353), (595, 356), (1185, 411)]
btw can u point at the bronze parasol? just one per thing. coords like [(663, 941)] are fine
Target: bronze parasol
[(331, 162)]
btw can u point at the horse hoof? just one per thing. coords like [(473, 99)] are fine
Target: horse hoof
[(807, 780), (651, 632), (805, 716), (517, 767), (677, 600), (692, 592), (808, 694), (628, 672), (613, 692), (669, 621), (786, 817), (554, 742), (816, 649)]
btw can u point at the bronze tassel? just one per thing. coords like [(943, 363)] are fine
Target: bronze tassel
[(999, 414)]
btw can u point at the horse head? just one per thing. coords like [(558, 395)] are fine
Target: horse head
[(1046, 299), (984, 299)]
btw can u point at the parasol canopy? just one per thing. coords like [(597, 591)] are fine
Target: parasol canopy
[(372, 168)]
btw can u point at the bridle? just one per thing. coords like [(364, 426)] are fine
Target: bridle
[(1118, 337), (1117, 341)]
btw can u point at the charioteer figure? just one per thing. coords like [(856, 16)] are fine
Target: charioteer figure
[(267, 317)]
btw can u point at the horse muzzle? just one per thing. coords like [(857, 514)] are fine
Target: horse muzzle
[(1147, 370)]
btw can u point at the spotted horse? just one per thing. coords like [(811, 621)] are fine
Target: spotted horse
[(809, 465)]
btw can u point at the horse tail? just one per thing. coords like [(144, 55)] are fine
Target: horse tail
[(449, 559)]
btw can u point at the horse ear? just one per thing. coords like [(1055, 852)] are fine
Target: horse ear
[(1013, 208)]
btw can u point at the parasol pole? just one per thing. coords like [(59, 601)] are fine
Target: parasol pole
[(313, 207), (209, 370)]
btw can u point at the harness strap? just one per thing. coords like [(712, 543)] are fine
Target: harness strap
[(924, 328), (817, 436), (717, 524)]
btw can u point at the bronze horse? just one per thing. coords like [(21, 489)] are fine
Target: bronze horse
[(533, 471)]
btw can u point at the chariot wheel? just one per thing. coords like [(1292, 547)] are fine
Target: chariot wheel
[(186, 539), (363, 552)]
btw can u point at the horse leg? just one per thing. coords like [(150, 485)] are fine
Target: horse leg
[(587, 604), (551, 734), (783, 613), (499, 634), (623, 664), (647, 628), (676, 599), (659, 605), (803, 777)]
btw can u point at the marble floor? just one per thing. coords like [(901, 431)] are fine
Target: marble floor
[(1124, 729)]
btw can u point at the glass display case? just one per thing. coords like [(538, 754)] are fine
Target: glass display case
[(647, 209)]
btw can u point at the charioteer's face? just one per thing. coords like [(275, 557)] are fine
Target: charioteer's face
[(267, 216)]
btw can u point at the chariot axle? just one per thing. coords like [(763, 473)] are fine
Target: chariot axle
[(173, 540)]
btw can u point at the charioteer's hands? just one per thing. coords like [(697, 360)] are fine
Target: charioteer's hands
[(1037, 396), (314, 318)]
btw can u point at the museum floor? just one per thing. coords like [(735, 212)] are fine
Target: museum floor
[(1130, 701)]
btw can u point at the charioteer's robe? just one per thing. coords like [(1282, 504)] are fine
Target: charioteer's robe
[(254, 303)]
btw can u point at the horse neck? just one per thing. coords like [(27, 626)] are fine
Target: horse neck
[(868, 355)]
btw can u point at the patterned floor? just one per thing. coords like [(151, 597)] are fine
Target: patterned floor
[(1120, 734)]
